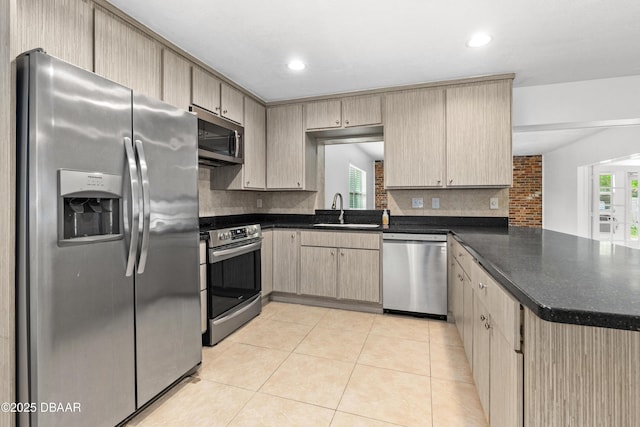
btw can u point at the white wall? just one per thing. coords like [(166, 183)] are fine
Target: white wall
[(336, 168), (584, 101), (560, 177)]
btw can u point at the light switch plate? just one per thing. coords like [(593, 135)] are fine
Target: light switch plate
[(493, 203), (259, 203), (417, 202), (435, 203)]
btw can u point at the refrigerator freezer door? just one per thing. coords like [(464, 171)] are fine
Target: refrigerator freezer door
[(168, 339), (75, 305)]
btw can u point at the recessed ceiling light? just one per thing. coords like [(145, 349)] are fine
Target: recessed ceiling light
[(296, 65), (479, 40)]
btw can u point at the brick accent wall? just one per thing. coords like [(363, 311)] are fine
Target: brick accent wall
[(525, 197), (380, 193)]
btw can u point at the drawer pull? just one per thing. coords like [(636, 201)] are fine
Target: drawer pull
[(482, 285)]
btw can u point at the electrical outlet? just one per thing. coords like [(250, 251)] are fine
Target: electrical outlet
[(493, 203), (435, 203), (259, 203), (417, 203)]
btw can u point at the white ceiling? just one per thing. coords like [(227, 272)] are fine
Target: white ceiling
[(351, 45)]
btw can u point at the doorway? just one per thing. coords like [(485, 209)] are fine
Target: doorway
[(615, 210)]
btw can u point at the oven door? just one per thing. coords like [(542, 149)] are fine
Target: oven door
[(234, 278)]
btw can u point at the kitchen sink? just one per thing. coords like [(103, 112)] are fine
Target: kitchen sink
[(348, 225)]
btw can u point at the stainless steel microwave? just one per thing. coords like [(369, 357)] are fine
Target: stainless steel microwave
[(220, 142)]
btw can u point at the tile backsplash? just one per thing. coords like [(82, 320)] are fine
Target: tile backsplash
[(458, 202)]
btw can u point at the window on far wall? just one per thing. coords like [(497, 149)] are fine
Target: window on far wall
[(357, 188)]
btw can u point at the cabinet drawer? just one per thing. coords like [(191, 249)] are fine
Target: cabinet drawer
[(463, 256), (503, 308), (338, 239)]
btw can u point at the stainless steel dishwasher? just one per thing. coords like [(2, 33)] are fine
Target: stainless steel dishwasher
[(414, 277)]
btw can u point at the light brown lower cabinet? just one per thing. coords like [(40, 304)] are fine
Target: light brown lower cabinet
[(489, 322), (359, 274), (352, 274), (505, 382), (285, 260), (266, 262), (481, 365), (318, 269), (467, 317)]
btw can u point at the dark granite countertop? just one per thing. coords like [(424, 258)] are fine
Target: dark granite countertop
[(560, 277)]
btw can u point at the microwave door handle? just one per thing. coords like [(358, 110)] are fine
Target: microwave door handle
[(237, 151), (231, 143), (146, 207), (135, 209)]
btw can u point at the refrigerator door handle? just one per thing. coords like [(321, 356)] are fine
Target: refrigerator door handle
[(135, 209), (146, 206)]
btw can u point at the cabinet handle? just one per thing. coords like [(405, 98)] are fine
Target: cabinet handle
[(451, 181), (482, 317), (341, 253), (346, 121), (460, 254), (439, 181), (298, 184), (247, 182), (293, 236), (224, 112), (337, 122), (217, 108), (487, 325), (482, 285), (332, 253)]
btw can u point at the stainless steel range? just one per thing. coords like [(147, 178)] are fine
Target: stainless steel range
[(233, 280)]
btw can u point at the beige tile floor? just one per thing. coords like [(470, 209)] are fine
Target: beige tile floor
[(296, 365)]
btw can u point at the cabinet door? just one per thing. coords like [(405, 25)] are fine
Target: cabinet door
[(266, 262), (467, 318), (479, 135), (458, 297), (359, 275), (285, 261), (318, 271), (323, 114), (506, 383), (125, 55), (255, 145), (285, 147), (362, 110), (63, 28), (176, 80), (206, 91), (414, 139), (232, 103), (481, 352)]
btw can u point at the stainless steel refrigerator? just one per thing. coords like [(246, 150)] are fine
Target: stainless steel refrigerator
[(108, 306)]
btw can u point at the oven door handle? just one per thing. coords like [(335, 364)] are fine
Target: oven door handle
[(221, 255)]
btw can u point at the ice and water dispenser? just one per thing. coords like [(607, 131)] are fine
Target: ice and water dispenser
[(90, 206)]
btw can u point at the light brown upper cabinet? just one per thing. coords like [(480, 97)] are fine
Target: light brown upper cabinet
[(414, 139), (125, 55), (176, 80), (479, 135), (63, 28), (221, 99), (291, 155), (353, 111), (251, 175)]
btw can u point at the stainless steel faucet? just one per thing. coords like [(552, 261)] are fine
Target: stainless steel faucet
[(333, 206)]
